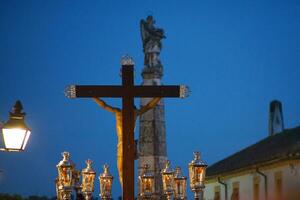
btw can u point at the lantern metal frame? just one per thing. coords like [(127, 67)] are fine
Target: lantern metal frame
[(168, 180), (180, 184), (106, 180), (146, 184), (15, 129), (88, 180), (197, 170)]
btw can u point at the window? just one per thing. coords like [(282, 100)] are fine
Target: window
[(256, 180), (278, 185), (217, 195), (235, 191)]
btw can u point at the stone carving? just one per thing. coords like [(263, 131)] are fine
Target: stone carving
[(151, 37), (152, 136)]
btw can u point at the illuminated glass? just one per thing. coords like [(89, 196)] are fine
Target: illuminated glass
[(15, 139)]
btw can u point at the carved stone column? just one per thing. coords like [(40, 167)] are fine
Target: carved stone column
[(152, 135)]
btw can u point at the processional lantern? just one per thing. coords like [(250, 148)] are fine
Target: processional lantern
[(179, 185), (146, 183), (88, 179), (15, 131), (168, 180), (197, 169), (65, 180), (105, 183)]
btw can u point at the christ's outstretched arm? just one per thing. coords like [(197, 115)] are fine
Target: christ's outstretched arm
[(148, 106), (102, 104)]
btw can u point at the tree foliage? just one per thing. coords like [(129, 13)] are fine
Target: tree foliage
[(4, 196)]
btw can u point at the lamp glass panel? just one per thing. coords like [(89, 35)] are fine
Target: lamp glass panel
[(14, 138), (180, 188), (148, 185), (65, 175), (200, 174), (88, 182), (192, 175), (168, 182), (26, 139), (105, 187)]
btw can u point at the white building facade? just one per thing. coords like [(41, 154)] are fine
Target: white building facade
[(267, 170), (279, 181)]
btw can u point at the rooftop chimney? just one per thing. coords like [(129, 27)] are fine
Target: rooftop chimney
[(276, 118)]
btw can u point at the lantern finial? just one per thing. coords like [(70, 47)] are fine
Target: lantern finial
[(66, 155), (89, 163), (197, 155)]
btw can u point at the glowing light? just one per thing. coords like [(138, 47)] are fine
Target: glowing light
[(15, 139)]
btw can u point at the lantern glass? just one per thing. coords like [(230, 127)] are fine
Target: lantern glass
[(197, 169), (105, 183), (65, 169), (88, 178), (179, 185), (146, 183), (15, 139), (168, 179)]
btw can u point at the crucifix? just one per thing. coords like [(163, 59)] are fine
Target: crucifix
[(127, 91)]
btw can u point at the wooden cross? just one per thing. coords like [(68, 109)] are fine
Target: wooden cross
[(127, 91)]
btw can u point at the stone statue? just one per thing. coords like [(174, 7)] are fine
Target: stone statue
[(118, 113), (151, 37)]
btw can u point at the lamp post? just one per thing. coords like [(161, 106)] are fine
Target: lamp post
[(15, 132), (64, 183), (146, 181), (197, 169), (168, 180), (88, 179), (179, 185), (105, 183)]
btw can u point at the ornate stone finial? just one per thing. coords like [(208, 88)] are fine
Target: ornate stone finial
[(184, 91), (70, 91), (127, 60)]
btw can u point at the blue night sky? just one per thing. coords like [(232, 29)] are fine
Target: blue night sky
[(235, 56)]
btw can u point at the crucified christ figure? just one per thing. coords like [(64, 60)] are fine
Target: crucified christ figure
[(118, 113)]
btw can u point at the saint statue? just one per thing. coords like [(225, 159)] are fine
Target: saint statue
[(118, 113), (151, 37)]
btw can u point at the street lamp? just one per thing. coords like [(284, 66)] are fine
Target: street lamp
[(179, 185), (65, 179), (105, 183), (197, 169), (168, 180), (15, 132), (146, 181), (88, 179)]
